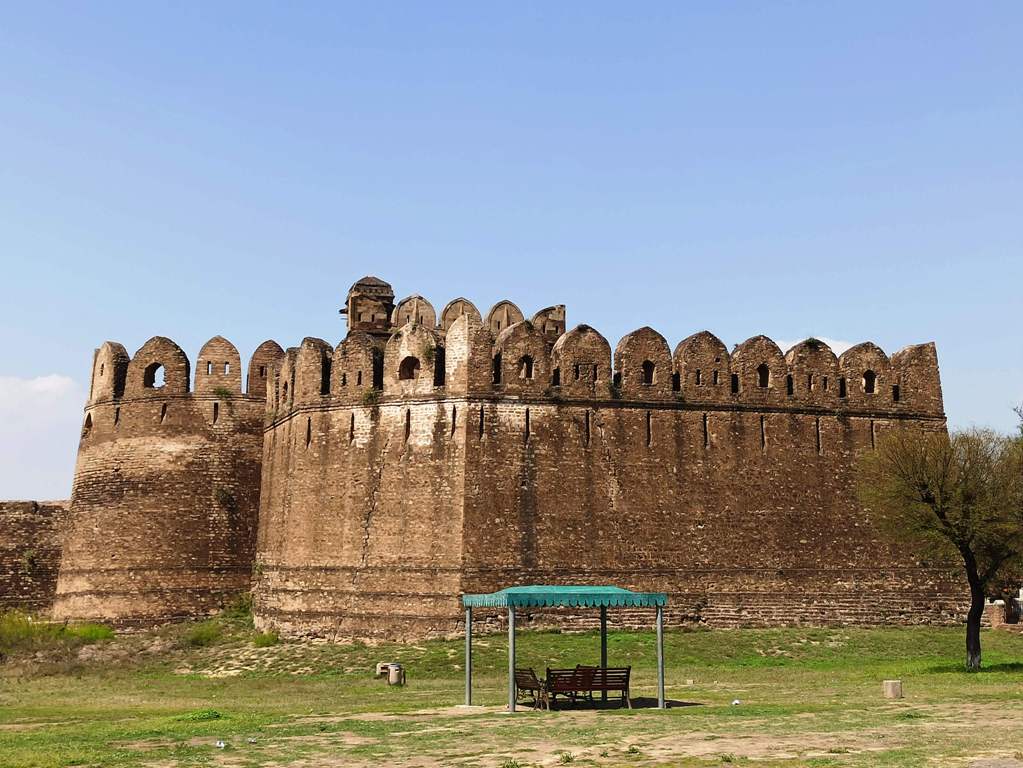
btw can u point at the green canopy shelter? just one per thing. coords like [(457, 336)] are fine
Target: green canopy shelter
[(544, 596)]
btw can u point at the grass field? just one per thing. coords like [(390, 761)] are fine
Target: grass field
[(808, 697)]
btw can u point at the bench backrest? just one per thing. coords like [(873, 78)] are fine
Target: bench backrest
[(526, 678), (578, 679), (612, 676)]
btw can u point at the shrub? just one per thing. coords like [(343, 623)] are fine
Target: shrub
[(29, 560), (21, 631), (201, 715), (90, 633), (225, 498), (371, 396), (239, 608), (223, 393), (202, 635), (266, 639)]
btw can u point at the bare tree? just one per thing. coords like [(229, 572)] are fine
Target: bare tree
[(954, 496)]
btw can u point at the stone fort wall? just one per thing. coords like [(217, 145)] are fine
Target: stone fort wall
[(424, 459), (30, 552)]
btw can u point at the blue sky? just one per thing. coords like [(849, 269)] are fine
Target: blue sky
[(851, 172)]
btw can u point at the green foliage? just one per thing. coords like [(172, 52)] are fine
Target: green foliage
[(223, 393), (20, 631), (203, 634), (265, 639), (429, 354), (225, 498), (29, 560), (90, 633), (239, 608), (949, 494), (201, 716), (371, 396)]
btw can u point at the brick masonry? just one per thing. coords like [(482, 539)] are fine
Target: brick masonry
[(362, 488), (30, 552)]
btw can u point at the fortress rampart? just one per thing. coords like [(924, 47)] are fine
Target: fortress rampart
[(421, 459), (359, 489)]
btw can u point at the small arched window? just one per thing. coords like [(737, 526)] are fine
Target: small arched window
[(763, 376), (87, 427), (648, 371), (526, 367), (497, 368), (789, 385), (869, 382), (153, 378), (409, 369)]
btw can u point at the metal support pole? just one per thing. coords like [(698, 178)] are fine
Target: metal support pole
[(603, 645), (660, 657), (468, 657), (511, 658)]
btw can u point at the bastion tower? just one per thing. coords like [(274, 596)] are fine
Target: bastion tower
[(164, 505)]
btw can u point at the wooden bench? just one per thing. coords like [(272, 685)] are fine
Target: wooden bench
[(612, 679), (527, 682), (570, 683)]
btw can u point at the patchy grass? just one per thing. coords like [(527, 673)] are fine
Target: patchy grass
[(810, 697), (20, 633)]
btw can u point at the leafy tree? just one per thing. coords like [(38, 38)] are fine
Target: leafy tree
[(957, 495)]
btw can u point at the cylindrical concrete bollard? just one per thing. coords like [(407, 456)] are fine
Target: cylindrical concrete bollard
[(396, 675), (892, 689)]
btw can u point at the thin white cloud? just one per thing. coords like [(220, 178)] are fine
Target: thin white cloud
[(40, 423), (837, 345)]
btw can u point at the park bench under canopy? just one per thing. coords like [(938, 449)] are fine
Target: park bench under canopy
[(547, 596)]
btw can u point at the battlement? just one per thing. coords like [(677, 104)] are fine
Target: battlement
[(505, 355), (161, 369)]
